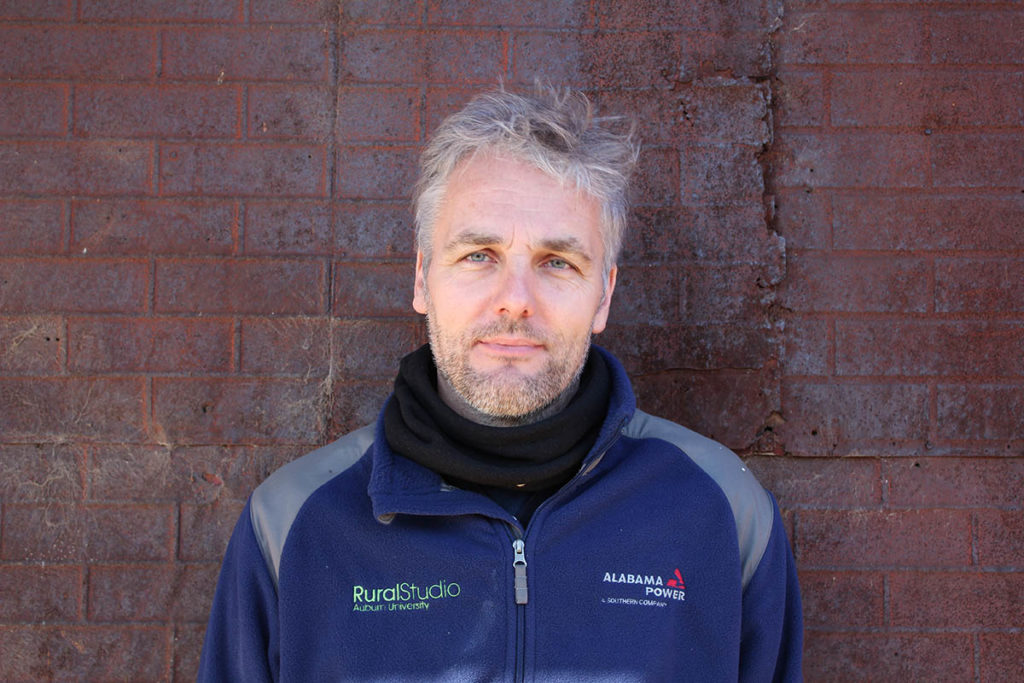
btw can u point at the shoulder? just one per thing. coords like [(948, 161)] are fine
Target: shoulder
[(276, 502), (752, 507)]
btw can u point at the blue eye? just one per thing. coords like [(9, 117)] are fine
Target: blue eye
[(477, 257), (559, 264)]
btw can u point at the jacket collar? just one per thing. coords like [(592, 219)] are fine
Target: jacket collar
[(400, 486)]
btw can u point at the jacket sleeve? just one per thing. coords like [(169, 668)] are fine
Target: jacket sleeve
[(771, 646), (242, 634)]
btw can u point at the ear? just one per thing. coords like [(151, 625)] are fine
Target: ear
[(419, 288), (601, 317)]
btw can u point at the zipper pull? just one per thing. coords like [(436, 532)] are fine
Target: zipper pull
[(519, 564)]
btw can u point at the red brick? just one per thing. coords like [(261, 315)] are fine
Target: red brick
[(657, 178), (442, 100), (721, 173), (41, 472), (204, 411), (854, 37), (799, 97), (274, 287), (726, 111), (33, 110), (373, 230), (188, 644), (294, 11), (803, 218), (354, 405), (1001, 534), (954, 482), (376, 172), (31, 345), (926, 348), (72, 285), (287, 227), (254, 170), (648, 293), (290, 111), (806, 346), (370, 349), (31, 227), (735, 52), (644, 349), (826, 281), (252, 53), (373, 289), (929, 222), (851, 159), (86, 653), (128, 345), (102, 168), (934, 100), (957, 600), (159, 10), (72, 533), (205, 530), (848, 657), (156, 111), (152, 226), (444, 55), (728, 406), (61, 410), (378, 114), (983, 411), (128, 593), (978, 37), (44, 10), (200, 474), (1002, 656), (34, 594), (600, 60), (503, 13), (993, 160), (375, 12), (728, 293), (708, 233), (93, 53), (819, 482), (702, 15), (841, 599), (286, 346), (979, 286), (830, 419), (915, 538)]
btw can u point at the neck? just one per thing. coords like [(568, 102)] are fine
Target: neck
[(457, 403)]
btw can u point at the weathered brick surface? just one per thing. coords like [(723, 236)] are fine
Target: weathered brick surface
[(868, 657), (206, 261), (111, 226)]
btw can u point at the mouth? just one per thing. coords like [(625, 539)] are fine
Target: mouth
[(510, 346)]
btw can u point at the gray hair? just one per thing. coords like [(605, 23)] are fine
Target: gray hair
[(554, 130)]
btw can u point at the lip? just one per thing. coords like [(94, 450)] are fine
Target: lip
[(512, 346)]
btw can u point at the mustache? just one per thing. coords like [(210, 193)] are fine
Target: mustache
[(510, 328)]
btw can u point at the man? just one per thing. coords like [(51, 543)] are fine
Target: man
[(511, 515)]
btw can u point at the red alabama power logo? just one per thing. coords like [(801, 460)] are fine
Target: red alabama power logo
[(676, 582)]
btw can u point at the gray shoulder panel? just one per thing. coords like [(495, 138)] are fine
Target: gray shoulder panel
[(751, 506), (276, 502)]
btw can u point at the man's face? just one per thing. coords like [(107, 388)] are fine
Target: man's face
[(514, 286)]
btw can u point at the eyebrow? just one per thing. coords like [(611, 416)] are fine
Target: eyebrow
[(562, 245)]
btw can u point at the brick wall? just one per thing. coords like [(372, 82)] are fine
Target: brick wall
[(206, 259)]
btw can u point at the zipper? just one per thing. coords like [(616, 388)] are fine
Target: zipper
[(521, 588)]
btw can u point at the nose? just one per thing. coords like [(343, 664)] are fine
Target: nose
[(515, 297)]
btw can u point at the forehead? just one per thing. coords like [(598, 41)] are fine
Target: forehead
[(489, 193)]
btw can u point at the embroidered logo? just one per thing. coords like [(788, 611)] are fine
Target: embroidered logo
[(402, 596), (655, 590)]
